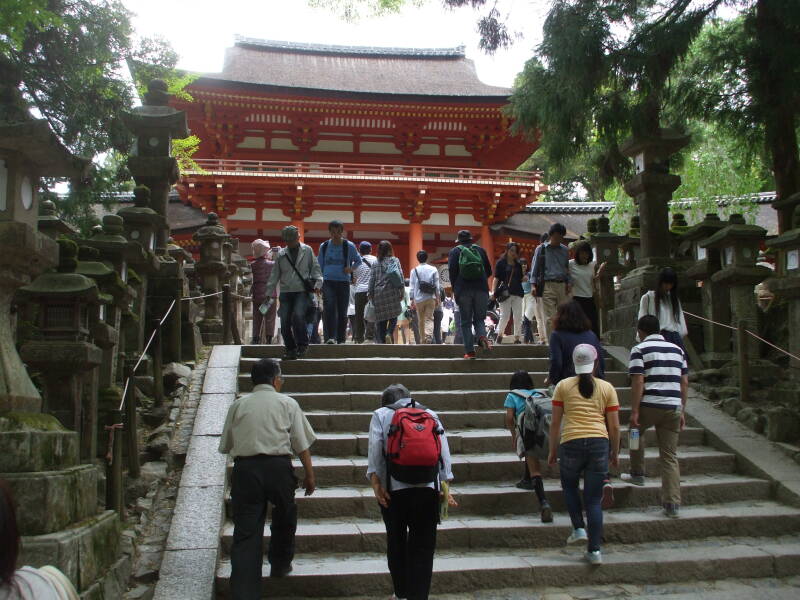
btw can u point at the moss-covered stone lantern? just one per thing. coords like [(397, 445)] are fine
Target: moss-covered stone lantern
[(65, 300), (715, 298), (738, 244), (211, 268), (631, 246)]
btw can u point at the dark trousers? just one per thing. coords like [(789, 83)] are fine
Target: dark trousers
[(438, 315), (313, 328), (294, 327), (472, 305), (384, 328), (335, 300), (411, 521), (587, 456), (362, 329), (675, 338), (590, 310), (257, 481), (527, 330)]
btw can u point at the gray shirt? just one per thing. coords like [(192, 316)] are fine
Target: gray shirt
[(555, 260), (284, 275)]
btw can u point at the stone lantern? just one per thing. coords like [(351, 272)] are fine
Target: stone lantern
[(28, 150), (211, 269), (631, 246), (738, 245), (51, 225), (787, 284), (65, 300), (606, 248), (715, 299), (155, 124), (141, 224)]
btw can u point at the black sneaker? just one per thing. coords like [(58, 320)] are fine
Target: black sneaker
[(289, 355), (280, 571), (302, 351), (546, 512), (331, 341), (525, 484)]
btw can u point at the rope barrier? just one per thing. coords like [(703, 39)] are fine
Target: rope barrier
[(201, 297), (787, 353)]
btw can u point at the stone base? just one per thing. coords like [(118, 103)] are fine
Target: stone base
[(53, 500), (211, 331), (622, 320), (84, 552), (35, 442), (716, 360), (113, 584)]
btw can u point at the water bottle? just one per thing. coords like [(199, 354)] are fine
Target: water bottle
[(633, 439)]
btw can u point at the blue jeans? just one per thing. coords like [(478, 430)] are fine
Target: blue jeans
[(335, 300), (472, 306), (590, 457), (294, 327)]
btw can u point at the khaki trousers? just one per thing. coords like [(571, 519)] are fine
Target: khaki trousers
[(555, 293), (668, 424), (425, 319)]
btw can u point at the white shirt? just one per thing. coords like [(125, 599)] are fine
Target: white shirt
[(582, 277), (362, 273), (47, 583), (378, 435), (427, 273), (666, 320)]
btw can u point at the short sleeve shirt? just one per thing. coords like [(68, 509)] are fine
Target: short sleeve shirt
[(516, 399), (585, 417)]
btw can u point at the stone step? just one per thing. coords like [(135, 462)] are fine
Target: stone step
[(471, 441), (464, 532), (656, 562), (398, 351), (504, 466), (501, 497), (341, 366), (484, 399), (363, 382)]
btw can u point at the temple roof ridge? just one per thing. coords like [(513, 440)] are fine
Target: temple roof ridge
[(314, 48)]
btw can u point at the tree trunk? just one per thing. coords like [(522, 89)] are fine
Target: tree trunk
[(773, 91)]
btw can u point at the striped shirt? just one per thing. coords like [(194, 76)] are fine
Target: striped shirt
[(663, 365)]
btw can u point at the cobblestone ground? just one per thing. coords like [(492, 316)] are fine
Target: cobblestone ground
[(726, 589)]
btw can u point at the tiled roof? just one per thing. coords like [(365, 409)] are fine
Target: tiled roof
[(372, 70), (599, 208)]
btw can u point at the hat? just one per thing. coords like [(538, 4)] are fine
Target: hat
[(583, 358), (364, 246), (290, 233), (464, 236), (259, 247)]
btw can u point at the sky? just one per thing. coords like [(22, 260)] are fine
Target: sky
[(200, 30)]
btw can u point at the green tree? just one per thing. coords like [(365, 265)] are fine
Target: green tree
[(744, 75)]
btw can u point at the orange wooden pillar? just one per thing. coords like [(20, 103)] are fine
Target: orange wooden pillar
[(414, 243), (487, 243)]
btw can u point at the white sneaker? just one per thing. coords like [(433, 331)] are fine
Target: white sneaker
[(594, 557), (577, 535)]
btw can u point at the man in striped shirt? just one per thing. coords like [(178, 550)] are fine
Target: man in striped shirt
[(659, 382)]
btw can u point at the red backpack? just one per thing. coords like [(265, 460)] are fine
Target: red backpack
[(414, 445)]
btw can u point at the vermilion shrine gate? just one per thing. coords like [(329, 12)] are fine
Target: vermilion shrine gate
[(400, 144)]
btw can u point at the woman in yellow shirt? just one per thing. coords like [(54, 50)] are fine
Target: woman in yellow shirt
[(588, 441)]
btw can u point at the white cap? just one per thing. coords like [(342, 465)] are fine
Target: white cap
[(583, 358)]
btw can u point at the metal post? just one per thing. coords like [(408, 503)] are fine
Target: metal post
[(226, 313), (158, 376), (744, 365), (114, 492), (131, 425)]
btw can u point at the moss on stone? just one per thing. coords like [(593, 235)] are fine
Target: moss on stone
[(24, 421)]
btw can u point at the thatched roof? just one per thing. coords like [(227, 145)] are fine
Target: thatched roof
[(401, 71)]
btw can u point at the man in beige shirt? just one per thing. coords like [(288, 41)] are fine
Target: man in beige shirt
[(262, 431)]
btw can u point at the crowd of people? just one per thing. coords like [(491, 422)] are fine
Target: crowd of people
[(566, 425)]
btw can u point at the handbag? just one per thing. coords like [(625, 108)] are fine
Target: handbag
[(502, 292), (308, 284), (426, 287)]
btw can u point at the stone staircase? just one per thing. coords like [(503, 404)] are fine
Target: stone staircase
[(730, 524)]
